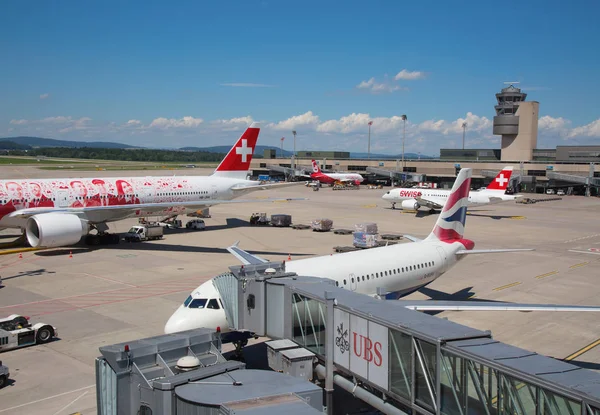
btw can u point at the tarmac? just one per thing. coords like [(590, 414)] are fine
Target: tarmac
[(109, 294)]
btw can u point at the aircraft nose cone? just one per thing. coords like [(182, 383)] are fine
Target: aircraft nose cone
[(181, 320)]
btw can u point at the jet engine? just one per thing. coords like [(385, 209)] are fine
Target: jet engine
[(410, 204), (50, 230)]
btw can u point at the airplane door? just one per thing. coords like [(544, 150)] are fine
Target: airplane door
[(353, 282), (214, 192), (63, 199), (443, 258)]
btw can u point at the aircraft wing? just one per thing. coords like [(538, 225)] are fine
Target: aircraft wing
[(145, 207), (412, 238), (434, 305), (431, 203), (492, 251), (245, 257), (266, 186)]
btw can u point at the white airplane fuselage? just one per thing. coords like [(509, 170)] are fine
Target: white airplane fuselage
[(397, 269), (57, 194), (439, 196)]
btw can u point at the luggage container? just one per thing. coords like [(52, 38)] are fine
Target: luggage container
[(274, 349), (367, 227), (298, 363), (281, 220), (321, 225), (365, 240)]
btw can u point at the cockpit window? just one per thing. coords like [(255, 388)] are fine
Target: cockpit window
[(213, 304), (187, 301), (198, 303)]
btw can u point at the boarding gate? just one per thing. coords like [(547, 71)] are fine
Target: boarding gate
[(398, 360)]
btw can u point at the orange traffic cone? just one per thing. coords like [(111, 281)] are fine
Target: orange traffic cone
[(289, 257), (20, 256), (70, 254)]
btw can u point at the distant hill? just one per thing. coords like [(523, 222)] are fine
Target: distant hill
[(50, 142), (260, 150), (11, 145)]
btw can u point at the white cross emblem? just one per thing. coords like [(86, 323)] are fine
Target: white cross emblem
[(244, 150), (501, 179)]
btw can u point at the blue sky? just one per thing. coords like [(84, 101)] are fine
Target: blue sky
[(196, 73)]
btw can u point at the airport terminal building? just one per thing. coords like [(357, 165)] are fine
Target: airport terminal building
[(571, 168)]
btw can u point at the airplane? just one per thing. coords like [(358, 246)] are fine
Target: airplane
[(59, 212), (435, 199), (398, 269), (330, 178)]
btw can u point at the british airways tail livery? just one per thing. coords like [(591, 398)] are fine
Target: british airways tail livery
[(435, 199), (398, 269), (58, 212), (330, 178)]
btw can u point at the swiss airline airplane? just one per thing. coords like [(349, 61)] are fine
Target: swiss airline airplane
[(330, 178), (435, 199), (398, 269), (58, 212)]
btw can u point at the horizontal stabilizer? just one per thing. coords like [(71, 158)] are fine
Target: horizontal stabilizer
[(412, 238), (433, 305), (492, 251), (245, 257)]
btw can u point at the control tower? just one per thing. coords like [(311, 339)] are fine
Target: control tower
[(516, 121)]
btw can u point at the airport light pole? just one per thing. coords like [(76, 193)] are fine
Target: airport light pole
[(464, 127), (282, 138), (369, 146), (403, 117), (294, 156)]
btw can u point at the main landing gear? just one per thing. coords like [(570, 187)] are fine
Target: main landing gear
[(101, 237)]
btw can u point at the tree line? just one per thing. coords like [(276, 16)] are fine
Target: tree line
[(161, 156)]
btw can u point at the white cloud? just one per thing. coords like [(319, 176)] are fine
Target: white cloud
[(589, 130), (19, 122), (185, 122), (133, 123), (303, 120), (553, 124), (44, 96), (378, 87), (233, 124), (247, 85), (409, 75)]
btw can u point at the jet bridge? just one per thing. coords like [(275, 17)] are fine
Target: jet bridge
[(401, 361)]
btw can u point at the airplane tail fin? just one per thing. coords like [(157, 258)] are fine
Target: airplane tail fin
[(450, 225), (316, 168), (236, 163), (500, 182)]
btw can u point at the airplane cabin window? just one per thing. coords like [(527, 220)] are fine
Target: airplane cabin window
[(363, 277), (367, 276), (213, 304), (352, 279), (337, 284), (344, 282), (402, 269), (198, 303)]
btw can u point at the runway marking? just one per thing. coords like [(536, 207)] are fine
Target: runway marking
[(546, 274), (507, 286), (373, 205), (18, 250), (518, 217), (583, 237), (582, 350), (581, 264), (45, 399), (71, 403)]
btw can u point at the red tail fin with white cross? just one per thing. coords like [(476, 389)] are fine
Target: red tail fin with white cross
[(236, 163), (500, 182)]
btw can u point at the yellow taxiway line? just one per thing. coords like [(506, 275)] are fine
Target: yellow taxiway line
[(582, 351), (18, 250), (581, 264), (539, 277), (507, 286)]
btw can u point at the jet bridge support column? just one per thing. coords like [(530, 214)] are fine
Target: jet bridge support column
[(329, 343)]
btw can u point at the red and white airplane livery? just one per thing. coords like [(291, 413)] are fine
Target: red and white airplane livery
[(330, 178), (435, 199), (58, 212)]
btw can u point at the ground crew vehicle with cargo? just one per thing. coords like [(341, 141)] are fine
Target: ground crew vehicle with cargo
[(16, 331), (140, 233)]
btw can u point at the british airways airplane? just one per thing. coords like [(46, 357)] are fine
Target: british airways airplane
[(58, 212), (435, 199), (398, 269)]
